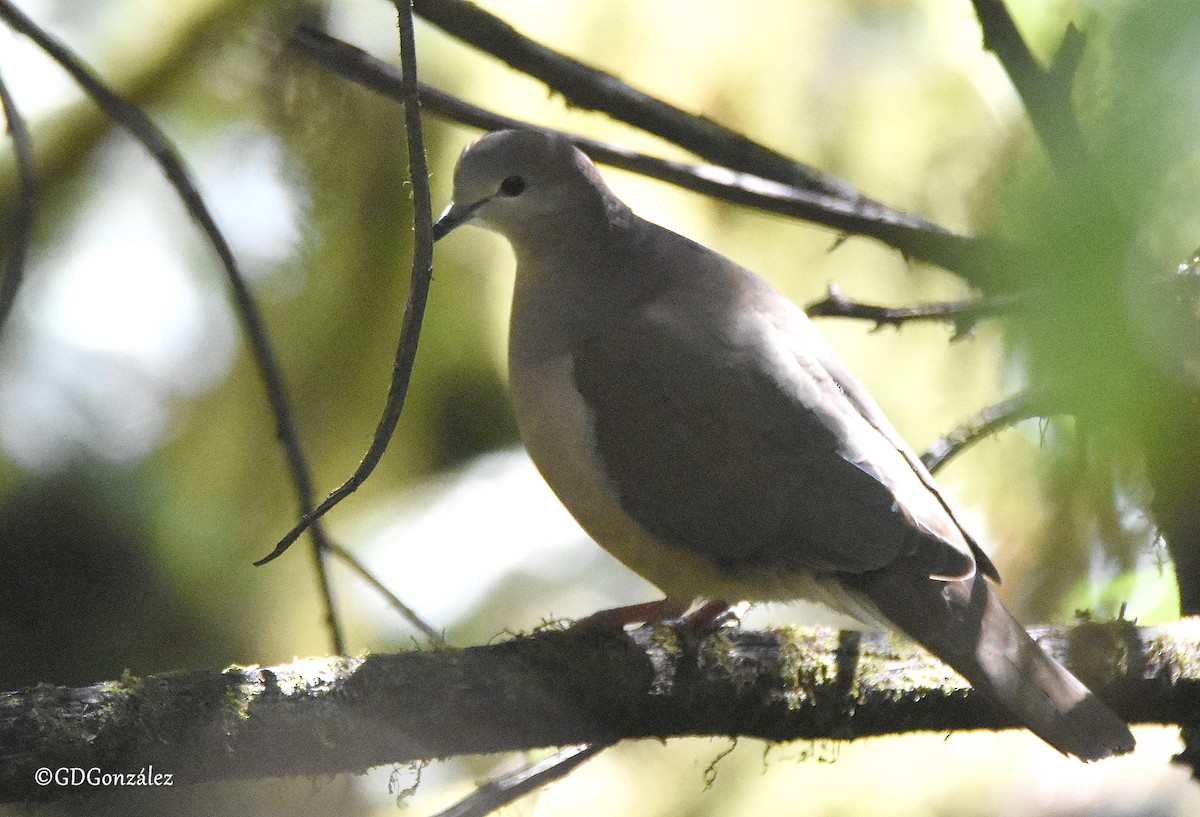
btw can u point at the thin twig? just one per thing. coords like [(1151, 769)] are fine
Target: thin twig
[(364, 573), (974, 258), (143, 129), (418, 294), (501, 791), (1021, 406), (25, 209), (963, 314)]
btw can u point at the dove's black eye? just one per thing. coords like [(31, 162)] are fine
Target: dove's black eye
[(512, 186)]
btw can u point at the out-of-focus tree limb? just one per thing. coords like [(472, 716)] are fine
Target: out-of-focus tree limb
[(25, 209), (65, 139), (501, 791), (1024, 405), (170, 161), (1046, 94)]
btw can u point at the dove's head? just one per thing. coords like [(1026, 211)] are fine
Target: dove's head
[(520, 182)]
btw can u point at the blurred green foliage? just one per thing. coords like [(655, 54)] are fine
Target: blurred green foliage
[(145, 565)]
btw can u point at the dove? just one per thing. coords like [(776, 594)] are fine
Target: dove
[(702, 430)]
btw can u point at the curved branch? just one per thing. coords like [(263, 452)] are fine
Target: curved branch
[(143, 129), (418, 293), (1024, 405), (25, 211)]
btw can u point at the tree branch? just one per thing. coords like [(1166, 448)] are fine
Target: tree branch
[(584, 86), (138, 125), (974, 258), (395, 602), (333, 715), (1046, 94), (498, 793), (25, 210), (418, 293), (962, 314), (1021, 406)]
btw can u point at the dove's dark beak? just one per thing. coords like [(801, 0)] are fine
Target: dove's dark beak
[(455, 215)]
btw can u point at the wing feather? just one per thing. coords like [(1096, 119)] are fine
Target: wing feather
[(719, 437)]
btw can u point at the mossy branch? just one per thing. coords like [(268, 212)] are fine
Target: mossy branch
[(332, 715)]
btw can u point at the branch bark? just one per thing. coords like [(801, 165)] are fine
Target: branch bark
[(1045, 94), (334, 715)]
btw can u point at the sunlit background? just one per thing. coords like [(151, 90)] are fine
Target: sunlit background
[(138, 461)]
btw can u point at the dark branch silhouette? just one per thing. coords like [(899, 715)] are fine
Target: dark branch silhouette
[(974, 258), (418, 293), (962, 314), (584, 86), (501, 791), (1045, 94), (395, 602), (164, 153), (1022, 406), (25, 210)]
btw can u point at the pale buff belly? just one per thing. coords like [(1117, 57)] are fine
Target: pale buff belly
[(554, 423)]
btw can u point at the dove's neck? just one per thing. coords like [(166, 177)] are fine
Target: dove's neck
[(574, 281)]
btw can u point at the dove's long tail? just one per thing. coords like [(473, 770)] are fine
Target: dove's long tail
[(965, 624)]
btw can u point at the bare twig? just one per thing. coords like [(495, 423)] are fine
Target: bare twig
[(501, 791), (1021, 406), (418, 294), (974, 258), (962, 314), (364, 573), (143, 129), (25, 210)]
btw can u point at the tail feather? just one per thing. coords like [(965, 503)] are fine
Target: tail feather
[(965, 624)]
